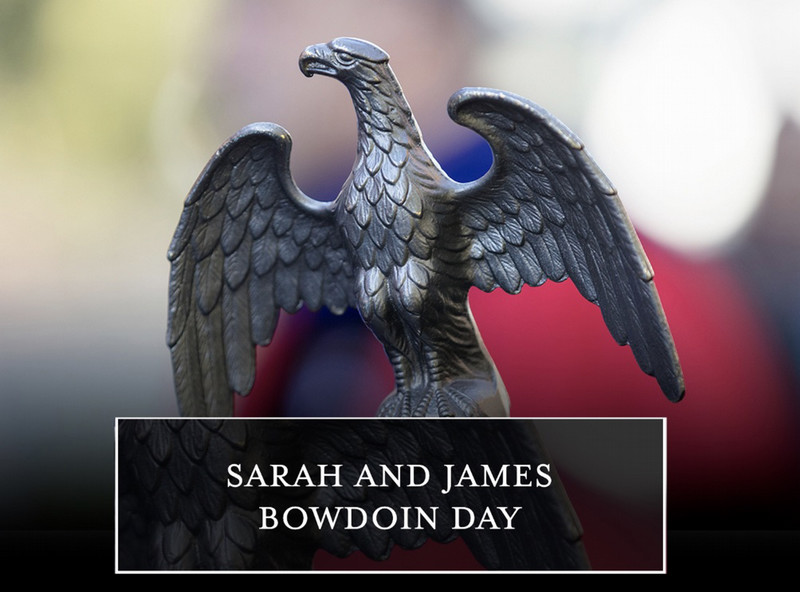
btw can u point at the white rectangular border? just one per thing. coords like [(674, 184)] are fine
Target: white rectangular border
[(663, 569)]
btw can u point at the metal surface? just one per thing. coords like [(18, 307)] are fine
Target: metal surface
[(403, 243)]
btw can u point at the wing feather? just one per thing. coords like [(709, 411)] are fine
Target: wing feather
[(237, 258), (569, 222)]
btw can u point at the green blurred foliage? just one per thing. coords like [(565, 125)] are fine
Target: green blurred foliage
[(18, 20), (81, 77), (81, 95)]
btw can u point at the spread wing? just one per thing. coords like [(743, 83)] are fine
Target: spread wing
[(248, 243), (545, 210)]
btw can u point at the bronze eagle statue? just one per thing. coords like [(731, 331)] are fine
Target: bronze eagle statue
[(403, 243)]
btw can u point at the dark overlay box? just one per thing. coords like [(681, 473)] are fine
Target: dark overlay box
[(390, 494)]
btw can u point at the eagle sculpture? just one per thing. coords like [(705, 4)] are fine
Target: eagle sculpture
[(403, 243)]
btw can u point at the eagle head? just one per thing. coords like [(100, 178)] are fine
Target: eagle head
[(342, 58)]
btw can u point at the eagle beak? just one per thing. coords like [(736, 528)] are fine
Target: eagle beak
[(314, 60)]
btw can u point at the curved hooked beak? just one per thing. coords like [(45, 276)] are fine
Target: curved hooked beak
[(315, 60)]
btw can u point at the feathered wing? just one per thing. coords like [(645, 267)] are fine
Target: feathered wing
[(546, 211), (248, 244)]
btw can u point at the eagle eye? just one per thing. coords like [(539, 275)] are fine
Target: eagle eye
[(345, 58)]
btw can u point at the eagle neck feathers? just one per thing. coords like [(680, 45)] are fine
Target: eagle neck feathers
[(384, 200)]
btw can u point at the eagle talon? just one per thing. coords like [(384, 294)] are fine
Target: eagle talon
[(436, 402), (393, 405), (467, 406), (443, 406), (458, 403), (421, 409)]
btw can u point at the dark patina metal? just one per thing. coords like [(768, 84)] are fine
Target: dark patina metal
[(403, 243)]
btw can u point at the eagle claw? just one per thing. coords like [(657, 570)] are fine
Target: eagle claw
[(450, 400)]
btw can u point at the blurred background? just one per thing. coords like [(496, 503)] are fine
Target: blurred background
[(109, 110)]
